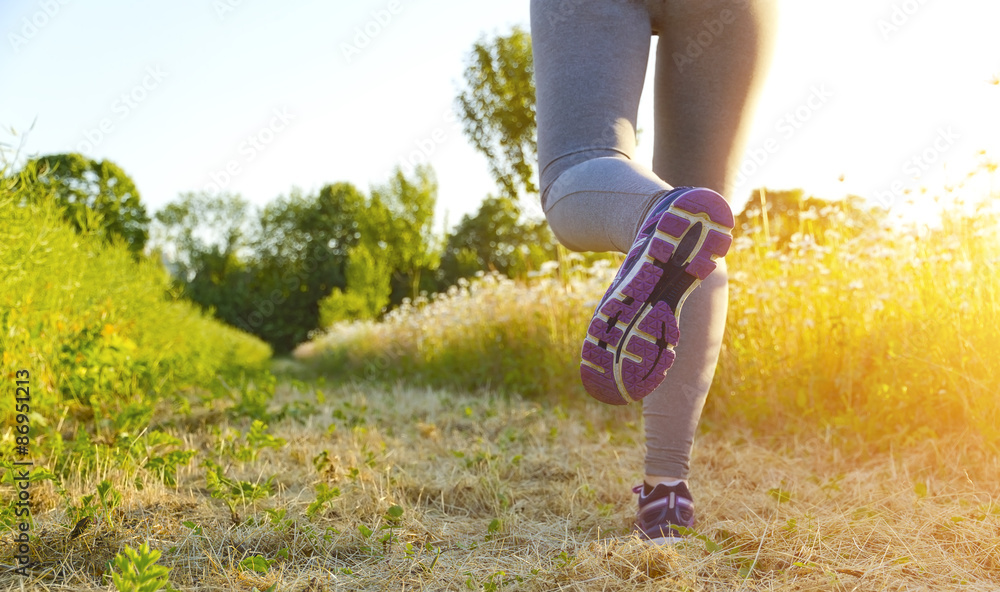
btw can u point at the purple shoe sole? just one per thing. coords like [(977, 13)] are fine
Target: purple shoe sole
[(630, 341)]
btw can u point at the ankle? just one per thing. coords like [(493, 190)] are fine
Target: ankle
[(654, 480)]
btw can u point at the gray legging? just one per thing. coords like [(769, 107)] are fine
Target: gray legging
[(590, 63)]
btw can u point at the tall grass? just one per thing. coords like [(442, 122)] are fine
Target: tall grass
[(890, 337), (99, 332), (880, 339), (493, 332)]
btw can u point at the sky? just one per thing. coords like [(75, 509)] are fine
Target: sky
[(870, 97)]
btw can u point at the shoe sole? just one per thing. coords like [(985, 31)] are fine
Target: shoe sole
[(630, 342)]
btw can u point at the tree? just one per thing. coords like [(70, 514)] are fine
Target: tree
[(89, 190), (300, 227), (367, 289), (497, 107), (399, 225), (201, 226), (204, 236), (495, 238), (299, 256)]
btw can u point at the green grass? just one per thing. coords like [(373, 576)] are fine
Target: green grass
[(108, 350)]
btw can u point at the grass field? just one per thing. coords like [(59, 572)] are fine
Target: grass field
[(850, 440), (504, 494)]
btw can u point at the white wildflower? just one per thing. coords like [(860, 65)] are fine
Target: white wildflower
[(548, 267), (742, 243)]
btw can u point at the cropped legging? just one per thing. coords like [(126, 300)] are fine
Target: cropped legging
[(590, 60)]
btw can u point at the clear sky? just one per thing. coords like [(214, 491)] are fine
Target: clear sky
[(258, 96)]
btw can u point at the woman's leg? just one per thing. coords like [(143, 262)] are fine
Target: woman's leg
[(590, 61), (703, 107)]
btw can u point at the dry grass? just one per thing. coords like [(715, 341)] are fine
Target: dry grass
[(557, 481)]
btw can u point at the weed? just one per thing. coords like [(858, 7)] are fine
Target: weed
[(138, 571), (324, 496)]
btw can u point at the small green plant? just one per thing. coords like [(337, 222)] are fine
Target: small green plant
[(253, 400), (429, 547), (324, 495), (277, 518), (493, 528), (233, 491), (710, 545), (780, 495), (321, 461), (110, 498), (257, 563), (83, 512), (8, 511), (138, 572), (163, 463), (246, 449), (495, 582), (258, 437), (564, 559), (350, 415), (392, 519)]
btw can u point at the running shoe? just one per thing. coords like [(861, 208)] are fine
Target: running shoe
[(662, 510), (631, 338)]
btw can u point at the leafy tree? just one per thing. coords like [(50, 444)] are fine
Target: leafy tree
[(497, 107), (92, 192), (201, 226), (368, 289), (399, 224), (299, 256), (496, 238), (321, 226), (204, 236)]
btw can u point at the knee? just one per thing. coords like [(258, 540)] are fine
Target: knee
[(558, 217), (561, 175)]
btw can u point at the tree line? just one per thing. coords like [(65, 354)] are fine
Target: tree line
[(309, 259), (305, 259)]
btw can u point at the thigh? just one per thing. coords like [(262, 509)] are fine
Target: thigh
[(710, 63), (590, 61)]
